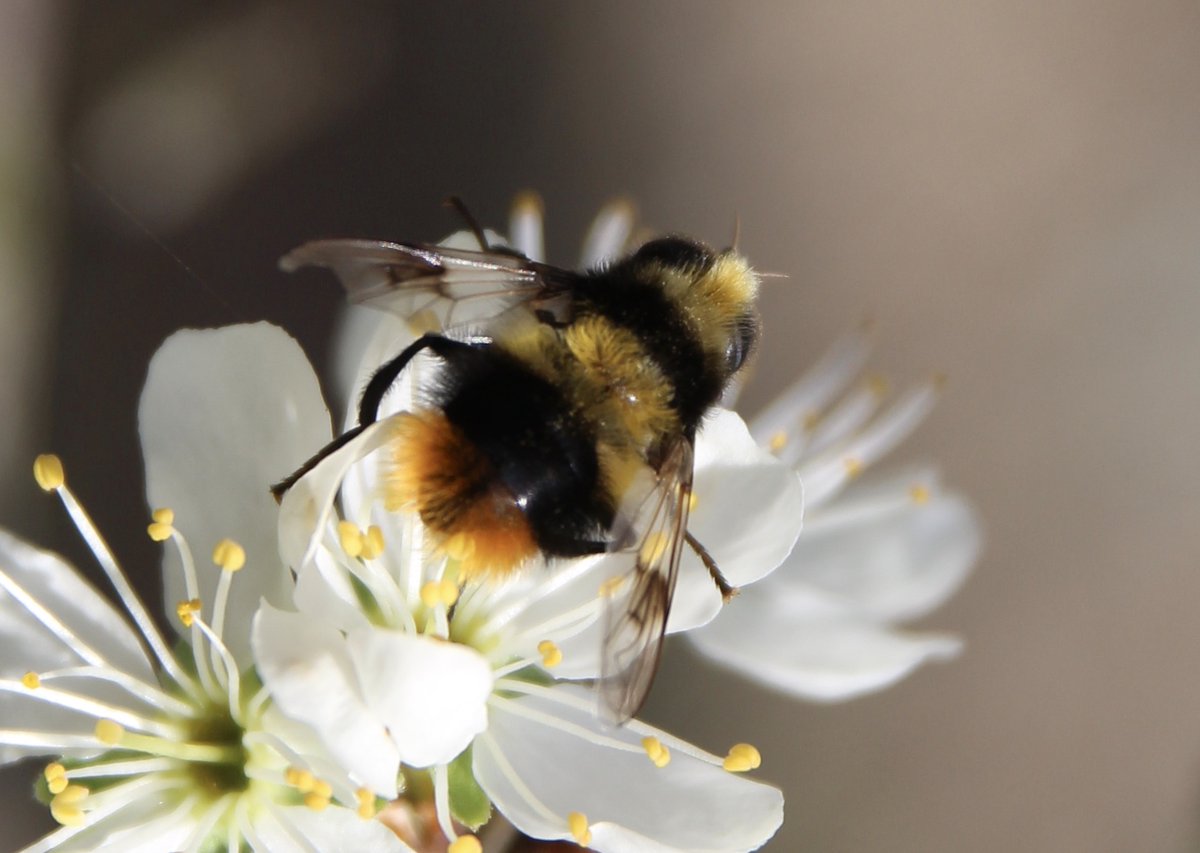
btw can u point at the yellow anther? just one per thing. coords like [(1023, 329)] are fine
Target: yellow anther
[(692, 501), (919, 493), (578, 824), (229, 555), (65, 807), (853, 466), (300, 779), (187, 610), (73, 794), (656, 751), (431, 593), (372, 543), (322, 788), (109, 732), (350, 537), (742, 757), (528, 202), (164, 515), (31, 680), (551, 654), (878, 386), (160, 529), (653, 548), (48, 471), (459, 546), (444, 592), (465, 844), (778, 441), (315, 801), (366, 803), (56, 778)]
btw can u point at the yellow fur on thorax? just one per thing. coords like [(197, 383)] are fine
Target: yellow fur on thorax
[(609, 381), (713, 300), (602, 371), (619, 387)]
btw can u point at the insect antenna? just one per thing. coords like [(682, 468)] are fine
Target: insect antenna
[(460, 207)]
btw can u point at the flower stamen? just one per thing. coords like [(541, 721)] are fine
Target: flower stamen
[(132, 603), (161, 528), (367, 807), (656, 751), (577, 823), (551, 654), (465, 844), (48, 471), (67, 805), (741, 758)]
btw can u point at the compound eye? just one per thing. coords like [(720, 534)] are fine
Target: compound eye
[(741, 342), (677, 253)]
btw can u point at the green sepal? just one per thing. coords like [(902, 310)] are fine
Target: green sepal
[(469, 804)]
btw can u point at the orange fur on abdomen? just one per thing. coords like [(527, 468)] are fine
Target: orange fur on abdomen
[(436, 471)]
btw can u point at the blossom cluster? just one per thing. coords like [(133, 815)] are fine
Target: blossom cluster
[(333, 685)]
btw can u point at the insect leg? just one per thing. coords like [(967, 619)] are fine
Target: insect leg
[(727, 589), (280, 489), (368, 407), (386, 376)]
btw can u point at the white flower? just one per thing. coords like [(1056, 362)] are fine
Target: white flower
[(875, 552), (160, 744), (398, 668)]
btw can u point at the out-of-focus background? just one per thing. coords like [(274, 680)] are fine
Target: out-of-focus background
[(1010, 188)]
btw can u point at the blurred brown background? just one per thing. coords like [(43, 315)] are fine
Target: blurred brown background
[(1011, 189)]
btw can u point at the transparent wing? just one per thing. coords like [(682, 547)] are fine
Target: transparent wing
[(637, 605), (437, 288)]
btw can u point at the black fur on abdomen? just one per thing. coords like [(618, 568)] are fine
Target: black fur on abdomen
[(545, 457)]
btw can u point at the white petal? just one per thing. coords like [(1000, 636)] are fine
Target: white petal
[(607, 238), (525, 229), (52, 588), (558, 602), (306, 508), (827, 473), (323, 590), (307, 667), (224, 414), (28, 644), (141, 825), (814, 390), (766, 637), (688, 805), (364, 339), (430, 694), (749, 508), (893, 566), (334, 830)]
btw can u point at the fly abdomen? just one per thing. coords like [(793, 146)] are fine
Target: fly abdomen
[(498, 469)]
